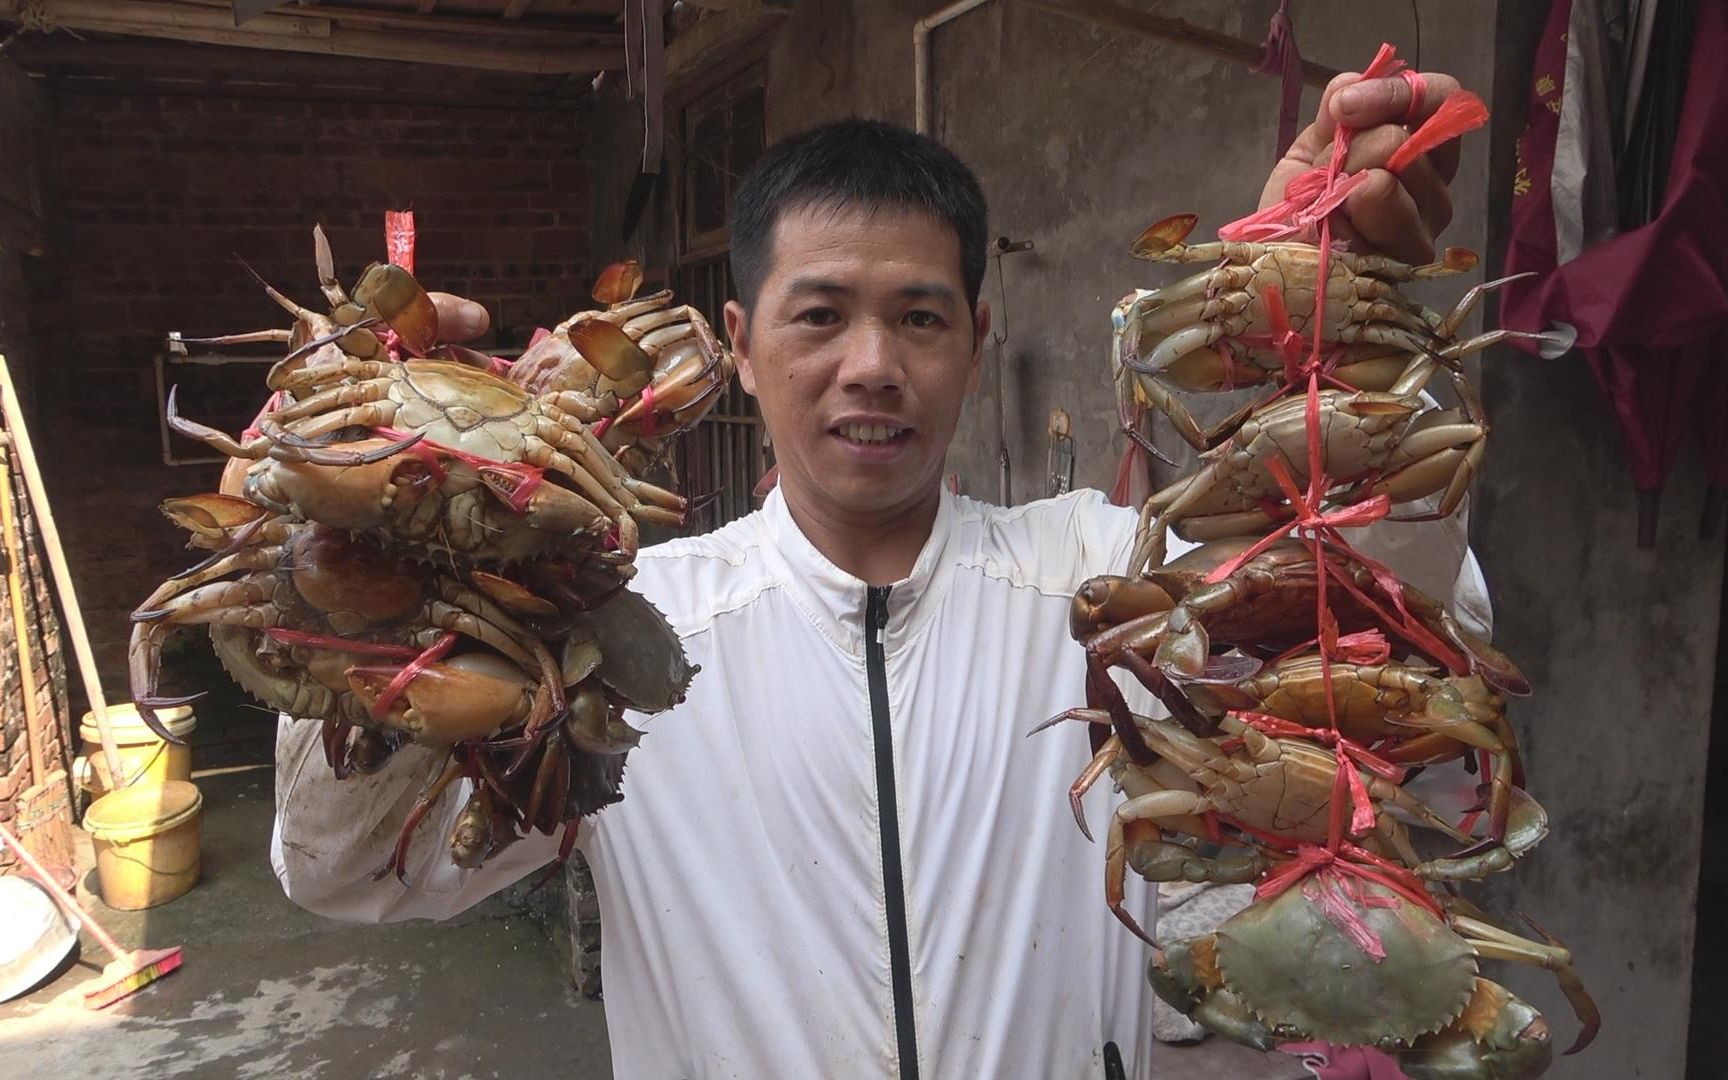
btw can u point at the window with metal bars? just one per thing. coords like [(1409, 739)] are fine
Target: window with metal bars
[(721, 134)]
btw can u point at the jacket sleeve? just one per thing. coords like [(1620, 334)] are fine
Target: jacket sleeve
[(331, 837)]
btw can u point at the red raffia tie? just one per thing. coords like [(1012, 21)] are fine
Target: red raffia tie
[(325, 641), (271, 404), (1305, 214), (1310, 197), (1338, 868), (1362, 647), (392, 342), (1347, 786), (529, 477), (399, 238), (433, 654), (650, 424)]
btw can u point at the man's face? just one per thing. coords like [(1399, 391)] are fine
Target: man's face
[(860, 351)]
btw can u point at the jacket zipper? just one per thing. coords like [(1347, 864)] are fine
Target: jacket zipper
[(893, 879)]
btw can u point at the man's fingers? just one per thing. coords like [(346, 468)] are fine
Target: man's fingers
[(1371, 149), (459, 319), (1367, 103), (1385, 216), (1372, 102)]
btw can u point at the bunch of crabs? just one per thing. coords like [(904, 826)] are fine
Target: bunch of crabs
[(416, 541), (1305, 682)]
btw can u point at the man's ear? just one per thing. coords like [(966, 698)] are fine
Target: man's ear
[(738, 332), (980, 331)]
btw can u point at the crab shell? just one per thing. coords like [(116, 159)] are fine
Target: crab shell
[(1303, 977)]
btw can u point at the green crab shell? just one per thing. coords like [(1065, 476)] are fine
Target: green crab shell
[(1303, 977)]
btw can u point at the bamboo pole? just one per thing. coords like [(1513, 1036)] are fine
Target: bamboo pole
[(1177, 31), (20, 619), (14, 414)]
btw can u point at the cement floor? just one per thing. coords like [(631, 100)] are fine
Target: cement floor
[(269, 990)]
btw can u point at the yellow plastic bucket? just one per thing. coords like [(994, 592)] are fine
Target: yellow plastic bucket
[(146, 839), (146, 758)]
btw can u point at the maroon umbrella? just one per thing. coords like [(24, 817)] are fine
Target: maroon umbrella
[(1647, 303)]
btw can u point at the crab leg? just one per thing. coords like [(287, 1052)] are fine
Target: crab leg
[(1492, 943), (449, 770)]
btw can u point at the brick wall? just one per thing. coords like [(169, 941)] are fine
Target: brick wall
[(50, 710), (152, 199)]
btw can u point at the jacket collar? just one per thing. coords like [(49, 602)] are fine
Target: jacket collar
[(833, 600)]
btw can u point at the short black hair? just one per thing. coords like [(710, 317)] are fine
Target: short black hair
[(865, 163)]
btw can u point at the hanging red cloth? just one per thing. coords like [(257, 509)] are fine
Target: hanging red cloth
[(1647, 303)]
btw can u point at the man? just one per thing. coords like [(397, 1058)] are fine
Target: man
[(841, 856)]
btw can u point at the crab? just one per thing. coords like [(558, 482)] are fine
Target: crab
[(1372, 443), (341, 602), (1355, 960), (471, 432), (1405, 715), (642, 369), (1219, 330), (1273, 789), (1163, 625), (1230, 302)]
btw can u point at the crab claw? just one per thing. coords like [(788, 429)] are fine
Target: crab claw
[(681, 395), (593, 725), (618, 282), (471, 696), (147, 706), (610, 351), (211, 516), (392, 294), (1183, 653), (1164, 236)]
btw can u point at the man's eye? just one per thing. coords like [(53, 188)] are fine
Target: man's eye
[(923, 319), (820, 316)]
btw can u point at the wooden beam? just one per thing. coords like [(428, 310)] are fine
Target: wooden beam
[(515, 8), (1177, 31), (294, 32), (217, 87), (539, 31), (425, 7), (719, 34)]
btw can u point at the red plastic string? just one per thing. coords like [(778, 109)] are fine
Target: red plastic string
[(528, 480), (271, 404), (399, 238), (650, 423), (1418, 91), (1349, 859), (1343, 899), (326, 641), (409, 673)]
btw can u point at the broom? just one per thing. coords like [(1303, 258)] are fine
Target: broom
[(130, 970)]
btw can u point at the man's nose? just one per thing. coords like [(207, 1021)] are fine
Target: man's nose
[(873, 359)]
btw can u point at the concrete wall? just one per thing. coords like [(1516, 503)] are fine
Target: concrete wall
[(1083, 136)]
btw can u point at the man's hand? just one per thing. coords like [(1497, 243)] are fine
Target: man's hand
[(1398, 215), (459, 319)]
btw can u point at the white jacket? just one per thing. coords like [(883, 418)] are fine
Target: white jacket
[(749, 927)]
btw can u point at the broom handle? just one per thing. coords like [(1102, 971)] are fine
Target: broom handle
[(65, 898), (20, 629), (62, 576)]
